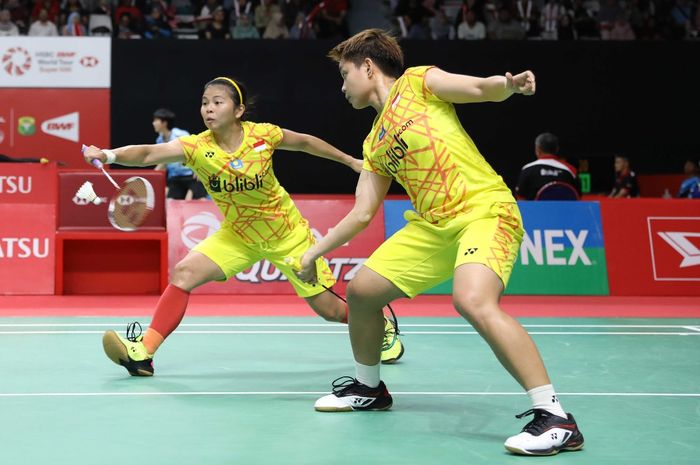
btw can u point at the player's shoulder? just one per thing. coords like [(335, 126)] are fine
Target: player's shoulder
[(194, 140), (260, 129), (416, 72)]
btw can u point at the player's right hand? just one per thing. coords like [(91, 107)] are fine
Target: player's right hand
[(90, 153)]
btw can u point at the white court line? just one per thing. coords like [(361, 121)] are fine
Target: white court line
[(319, 325), (320, 393), (446, 333)]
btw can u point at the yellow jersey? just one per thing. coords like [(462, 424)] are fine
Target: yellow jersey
[(418, 140), (242, 184)]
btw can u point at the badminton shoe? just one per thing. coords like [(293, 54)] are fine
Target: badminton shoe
[(349, 395), (546, 434), (129, 352), (392, 347)]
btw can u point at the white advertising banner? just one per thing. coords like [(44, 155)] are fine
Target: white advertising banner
[(55, 62)]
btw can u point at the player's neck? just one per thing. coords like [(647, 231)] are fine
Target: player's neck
[(381, 92), (229, 139)]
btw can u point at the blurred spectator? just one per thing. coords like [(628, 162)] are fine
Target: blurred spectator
[(104, 7), (565, 29), (74, 26), (240, 8), (690, 187), (622, 30), (263, 14), (682, 19), (625, 179), (648, 30), (244, 29), (607, 16), (276, 29), (412, 17), (584, 21), (42, 27), (301, 29), (155, 25), (527, 15), (126, 29), (548, 168), (332, 20), (291, 10), (127, 7), (549, 19), (7, 27), (506, 28), (217, 29), (470, 28), (467, 6), (19, 14), (68, 7), (180, 179), (441, 27), (207, 11), (52, 7)]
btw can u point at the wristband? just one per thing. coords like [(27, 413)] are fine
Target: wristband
[(111, 156)]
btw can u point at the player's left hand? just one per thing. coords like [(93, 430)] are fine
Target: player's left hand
[(523, 83), (356, 165), (307, 269)]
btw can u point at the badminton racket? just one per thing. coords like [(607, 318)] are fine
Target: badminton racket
[(130, 205)]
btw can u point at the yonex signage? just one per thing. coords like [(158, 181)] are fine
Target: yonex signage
[(562, 251)]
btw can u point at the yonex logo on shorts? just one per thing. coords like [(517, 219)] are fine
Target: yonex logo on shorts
[(471, 251)]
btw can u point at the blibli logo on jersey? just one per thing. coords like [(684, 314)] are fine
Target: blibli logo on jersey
[(236, 164), (397, 150), (238, 184)]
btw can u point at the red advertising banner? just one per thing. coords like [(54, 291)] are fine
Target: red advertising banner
[(652, 246), (28, 183), (27, 248), (53, 123), (75, 213), (189, 222)]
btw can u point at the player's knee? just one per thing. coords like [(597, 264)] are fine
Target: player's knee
[(472, 305), (183, 275), (363, 297)]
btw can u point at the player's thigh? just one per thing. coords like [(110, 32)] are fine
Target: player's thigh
[(228, 252), (416, 258), (294, 245), (492, 241), (194, 270), (370, 290)]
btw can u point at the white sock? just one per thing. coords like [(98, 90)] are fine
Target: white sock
[(367, 374), (544, 397)]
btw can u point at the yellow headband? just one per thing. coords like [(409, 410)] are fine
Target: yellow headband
[(233, 83)]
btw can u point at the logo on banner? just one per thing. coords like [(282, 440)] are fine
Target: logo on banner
[(26, 125), (198, 227), (16, 61), (675, 248), (64, 127), (552, 250), (89, 62)]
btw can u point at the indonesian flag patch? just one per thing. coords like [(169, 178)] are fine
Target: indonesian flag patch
[(259, 146)]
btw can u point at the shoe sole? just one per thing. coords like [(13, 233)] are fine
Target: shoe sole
[(350, 409), (515, 450), (395, 359), (117, 353)]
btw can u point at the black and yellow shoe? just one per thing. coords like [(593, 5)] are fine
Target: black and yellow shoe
[(392, 347), (130, 352)]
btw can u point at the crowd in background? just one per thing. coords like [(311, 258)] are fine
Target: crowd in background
[(310, 19)]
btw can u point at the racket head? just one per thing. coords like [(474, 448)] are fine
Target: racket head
[(130, 206)]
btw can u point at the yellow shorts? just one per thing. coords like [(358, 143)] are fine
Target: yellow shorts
[(422, 255), (233, 255)]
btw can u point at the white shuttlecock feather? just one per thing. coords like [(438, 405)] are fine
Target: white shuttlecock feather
[(87, 192)]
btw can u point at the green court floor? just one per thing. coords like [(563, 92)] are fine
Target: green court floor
[(241, 391)]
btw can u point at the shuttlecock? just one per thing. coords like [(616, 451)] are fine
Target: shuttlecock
[(87, 192)]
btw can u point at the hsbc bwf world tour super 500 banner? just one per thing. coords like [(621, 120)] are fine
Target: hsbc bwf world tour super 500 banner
[(55, 96)]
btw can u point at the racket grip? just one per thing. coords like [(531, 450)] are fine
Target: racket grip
[(96, 163)]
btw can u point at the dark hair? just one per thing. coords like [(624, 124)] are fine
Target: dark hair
[(238, 99), (548, 143), (375, 44), (166, 115)]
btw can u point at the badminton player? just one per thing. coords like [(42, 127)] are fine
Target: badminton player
[(466, 225), (234, 159)]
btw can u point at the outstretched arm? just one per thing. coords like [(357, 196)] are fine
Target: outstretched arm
[(370, 192), (139, 155), (460, 88), (299, 142)]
